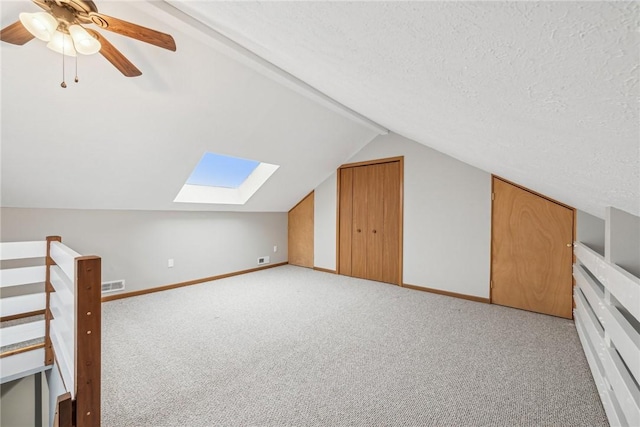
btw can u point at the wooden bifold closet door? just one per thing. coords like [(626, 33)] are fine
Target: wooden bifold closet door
[(370, 221)]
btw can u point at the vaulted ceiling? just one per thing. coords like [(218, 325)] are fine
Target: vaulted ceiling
[(542, 93)]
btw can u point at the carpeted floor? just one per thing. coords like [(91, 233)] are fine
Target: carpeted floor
[(291, 346)]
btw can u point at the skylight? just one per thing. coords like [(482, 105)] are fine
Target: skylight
[(220, 179), (216, 170)]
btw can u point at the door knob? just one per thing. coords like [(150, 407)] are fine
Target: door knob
[(359, 230), (374, 231), (569, 245)]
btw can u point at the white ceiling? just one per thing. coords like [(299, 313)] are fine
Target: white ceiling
[(111, 142), (541, 93)]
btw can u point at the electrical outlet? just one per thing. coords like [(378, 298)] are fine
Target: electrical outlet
[(275, 248), (170, 263), (263, 260)]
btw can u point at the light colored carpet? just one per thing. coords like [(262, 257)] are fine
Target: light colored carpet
[(295, 347)]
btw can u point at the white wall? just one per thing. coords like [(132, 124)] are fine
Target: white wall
[(590, 231), (447, 218), (136, 245), (18, 403), (324, 218), (622, 244)]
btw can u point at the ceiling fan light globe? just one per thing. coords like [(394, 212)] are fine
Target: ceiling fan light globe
[(62, 43), (40, 24), (83, 42)]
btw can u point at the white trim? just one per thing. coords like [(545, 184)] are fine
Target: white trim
[(63, 358), (22, 332), (622, 284), (65, 258), (22, 276), (22, 250), (22, 365), (592, 359), (63, 286), (10, 306)]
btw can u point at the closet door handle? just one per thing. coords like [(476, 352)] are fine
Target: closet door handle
[(374, 231), (359, 230)]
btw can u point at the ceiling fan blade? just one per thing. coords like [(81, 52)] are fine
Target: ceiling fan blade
[(114, 56), (15, 33), (133, 30)]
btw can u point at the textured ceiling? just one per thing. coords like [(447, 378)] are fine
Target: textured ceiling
[(542, 93)]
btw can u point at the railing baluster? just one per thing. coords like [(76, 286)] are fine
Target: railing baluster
[(48, 349)]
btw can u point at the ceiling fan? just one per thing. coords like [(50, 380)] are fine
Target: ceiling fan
[(62, 26)]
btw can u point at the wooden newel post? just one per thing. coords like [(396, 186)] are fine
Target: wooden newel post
[(48, 349), (64, 411), (88, 352)]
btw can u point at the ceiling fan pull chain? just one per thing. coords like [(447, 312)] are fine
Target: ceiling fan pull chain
[(76, 79), (63, 84)]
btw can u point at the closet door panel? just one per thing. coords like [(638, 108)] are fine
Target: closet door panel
[(300, 233), (375, 230), (391, 225), (360, 223), (346, 220)]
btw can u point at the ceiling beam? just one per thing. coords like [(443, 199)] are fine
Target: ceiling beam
[(176, 14)]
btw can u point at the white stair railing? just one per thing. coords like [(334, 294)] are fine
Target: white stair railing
[(23, 360), (71, 328), (607, 316)]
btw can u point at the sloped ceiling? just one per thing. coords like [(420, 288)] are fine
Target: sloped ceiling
[(542, 93), (111, 142)]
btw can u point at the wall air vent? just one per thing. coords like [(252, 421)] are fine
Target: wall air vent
[(116, 285)]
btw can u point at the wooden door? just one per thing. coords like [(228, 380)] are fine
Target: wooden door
[(375, 219), (360, 220), (392, 220), (532, 251), (345, 221), (300, 233), (370, 221)]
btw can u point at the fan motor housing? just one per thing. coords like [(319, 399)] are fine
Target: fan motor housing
[(72, 11), (80, 6)]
